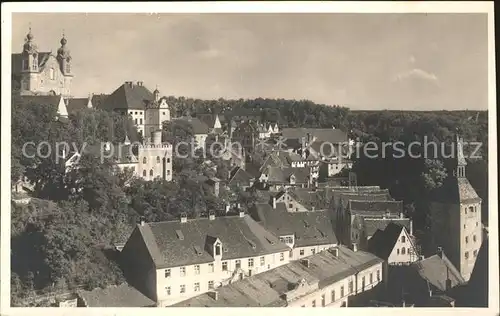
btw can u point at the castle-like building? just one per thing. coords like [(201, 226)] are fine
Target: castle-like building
[(42, 73)]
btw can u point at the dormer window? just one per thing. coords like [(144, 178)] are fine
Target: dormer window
[(218, 249)]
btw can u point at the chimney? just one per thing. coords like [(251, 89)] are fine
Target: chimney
[(142, 221), (274, 202), (214, 295), (401, 215), (335, 252), (411, 227), (354, 247), (305, 262), (183, 217), (448, 284), (211, 215)]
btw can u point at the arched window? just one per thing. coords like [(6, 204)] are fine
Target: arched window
[(151, 172), (158, 159), (217, 249), (144, 173), (144, 160), (403, 239), (51, 74), (403, 251)]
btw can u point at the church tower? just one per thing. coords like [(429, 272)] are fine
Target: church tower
[(64, 60), (29, 64), (456, 216)]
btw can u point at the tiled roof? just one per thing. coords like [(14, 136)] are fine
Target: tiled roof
[(198, 126), (282, 175), (436, 269), (241, 237), (454, 191), (382, 242), (310, 228), (129, 96), (322, 134), (98, 100), (75, 104), (269, 289), (371, 225), (240, 177), (376, 206), (116, 296), (308, 198)]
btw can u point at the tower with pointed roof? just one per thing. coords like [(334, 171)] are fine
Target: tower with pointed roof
[(456, 216), (42, 73), (156, 113)]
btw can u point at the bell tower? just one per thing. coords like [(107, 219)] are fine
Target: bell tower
[(29, 67), (64, 60)]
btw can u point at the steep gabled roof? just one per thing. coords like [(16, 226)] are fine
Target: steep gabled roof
[(129, 96), (240, 176), (436, 269), (371, 225), (394, 207), (455, 191), (309, 228), (198, 126), (241, 237), (383, 241)]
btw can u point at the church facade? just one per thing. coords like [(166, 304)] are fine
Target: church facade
[(43, 73)]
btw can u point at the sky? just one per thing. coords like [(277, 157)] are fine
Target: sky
[(362, 61)]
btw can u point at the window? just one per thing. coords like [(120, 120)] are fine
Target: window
[(403, 251), (371, 278), (471, 209), (290, 254), (313, 304), (183, 271), (168, 172), (144, 160), (378, 275), (282, 256), (303, 306), (333, 295), (197, 269), (466, 255), (140, 121), (250, 262), (167, 289), (52, 74), (151, 172), (403, 239), (25, 65), (342, 291), (158, 160), (351, 287), (250, 272), (238, 264), (301, 252), (466, 239), (168, 160), (397, 250), (477, 224), (197, 287), (313, 251), (167, 273), (217, 249), (224, 266), (210, 285), (363, 283), (144, 173), (474, 238), (183, 288), (290, 205), (466, 210), (262, 261), (323, 300), (135, 120), (211, 267)]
